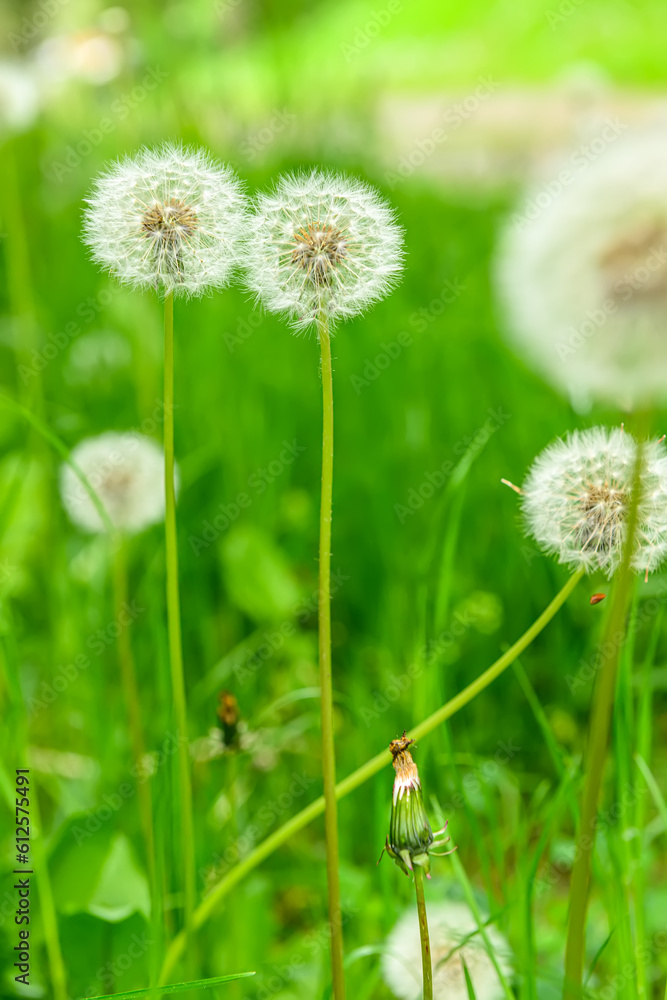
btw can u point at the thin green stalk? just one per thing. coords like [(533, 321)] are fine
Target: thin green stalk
[(326, 689), (601, 715), (174, 621), (427, 963), (362, 774), (128, 676)]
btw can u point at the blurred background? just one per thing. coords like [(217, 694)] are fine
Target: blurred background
[(451, 110)]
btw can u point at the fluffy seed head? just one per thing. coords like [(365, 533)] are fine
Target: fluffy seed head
[(168, 218), (127, 473), (322, 242), (577, 496), (450, 928), (583, 276)]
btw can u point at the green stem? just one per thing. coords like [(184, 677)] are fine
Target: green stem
[(362, 774), (174, 620), (128, 676), (326, 689), (427, 964), (601, 714)]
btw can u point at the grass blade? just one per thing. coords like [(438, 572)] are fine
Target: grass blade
[(157, 991)]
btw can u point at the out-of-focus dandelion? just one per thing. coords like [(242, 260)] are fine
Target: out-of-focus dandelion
[(167, 218), (577, 496), (322, 243), (322, 248), (455, 939), (127, 473), (584, 278), (19, 97)]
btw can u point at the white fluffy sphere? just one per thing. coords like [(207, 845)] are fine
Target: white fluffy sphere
[(322, 242), (127, 473), (449, 924)]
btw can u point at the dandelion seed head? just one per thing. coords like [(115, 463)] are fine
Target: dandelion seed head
[(577, 496), (322, 242), (127, 473), (450, 924), (582, 274), (168, 218)]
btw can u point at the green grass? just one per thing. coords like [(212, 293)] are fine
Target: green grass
[(402, 578)]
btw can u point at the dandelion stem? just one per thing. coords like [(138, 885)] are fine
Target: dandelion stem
[(427, 964), (133, 703), (174, 620), (326, 691), (362, 774), (601, 714)]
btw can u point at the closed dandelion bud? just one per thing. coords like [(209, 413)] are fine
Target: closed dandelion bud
[(410, 835), (228, 718)]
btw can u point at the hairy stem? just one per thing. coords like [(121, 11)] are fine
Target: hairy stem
[(603, 705), (326, 689), (362, 774), (427, 964), (174, 621)]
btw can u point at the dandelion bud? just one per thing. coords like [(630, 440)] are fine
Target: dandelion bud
[(410, 835), (576, 500)]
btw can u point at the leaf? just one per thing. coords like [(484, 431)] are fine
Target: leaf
[(258, 576), (469, 986), (159, 991)]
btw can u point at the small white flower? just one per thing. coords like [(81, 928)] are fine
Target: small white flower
[(577, 495), (583, 274), (127, 473), (168, 218), (322, 242), (449, 924)]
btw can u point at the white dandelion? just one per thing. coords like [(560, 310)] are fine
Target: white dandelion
[(583, 276), (576, 500), (168, 218), (127, 473), (454, 937), (322, 243)]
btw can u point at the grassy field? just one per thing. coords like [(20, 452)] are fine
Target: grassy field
[(432, 576)]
